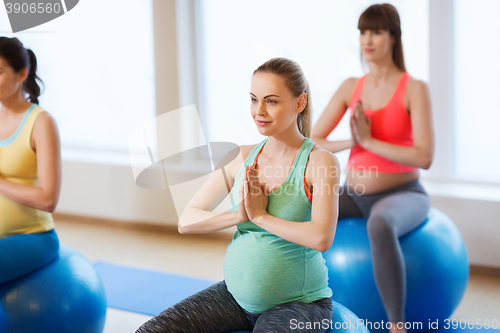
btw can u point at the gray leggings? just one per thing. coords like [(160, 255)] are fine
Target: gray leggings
[(214, 310), (391, 214)]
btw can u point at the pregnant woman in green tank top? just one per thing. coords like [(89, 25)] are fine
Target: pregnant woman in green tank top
[(275, 278)]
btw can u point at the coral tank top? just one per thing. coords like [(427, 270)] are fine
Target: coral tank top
[(391, 124)]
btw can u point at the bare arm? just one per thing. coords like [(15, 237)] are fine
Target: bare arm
[(331, 117), (48, 158), (421, 153), (318, 233), (198, 217)]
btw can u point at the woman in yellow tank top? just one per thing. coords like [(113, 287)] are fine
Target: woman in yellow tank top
[(30, 166)]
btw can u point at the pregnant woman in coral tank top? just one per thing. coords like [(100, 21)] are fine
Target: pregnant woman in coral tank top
[(392, 138)]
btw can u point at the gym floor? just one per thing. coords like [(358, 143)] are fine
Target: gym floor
[(202, 256)]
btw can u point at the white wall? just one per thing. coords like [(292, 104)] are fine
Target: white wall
[(478, 222), (109, 191)]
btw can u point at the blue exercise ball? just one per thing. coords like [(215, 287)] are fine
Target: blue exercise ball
[(343, 321), (64, 296), (437, 271)]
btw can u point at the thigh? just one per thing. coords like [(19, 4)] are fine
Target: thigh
[(24, 253), (400, 211), (212, 310), (347, 207), (312, 317)]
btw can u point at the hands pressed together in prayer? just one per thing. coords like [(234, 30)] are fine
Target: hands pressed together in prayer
[(360, 125), (253, 196)]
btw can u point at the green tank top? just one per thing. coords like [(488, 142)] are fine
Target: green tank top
[(262, 270)]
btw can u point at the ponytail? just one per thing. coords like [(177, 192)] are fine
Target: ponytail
[(304, 118), (30, 85)]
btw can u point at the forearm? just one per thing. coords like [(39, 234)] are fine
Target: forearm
[(333, 146), (32, 196), (198, 221), (409, 155), (302, 233)]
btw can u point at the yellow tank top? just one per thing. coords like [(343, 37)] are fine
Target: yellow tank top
[(18, 165)]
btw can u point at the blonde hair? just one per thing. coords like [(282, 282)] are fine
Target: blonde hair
[(296, 82)]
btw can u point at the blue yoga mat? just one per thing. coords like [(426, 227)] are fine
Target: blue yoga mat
[(150, 292), (144, 291)]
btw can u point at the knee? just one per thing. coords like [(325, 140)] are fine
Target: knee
[(154, 325), (54, 247), (379, 226)]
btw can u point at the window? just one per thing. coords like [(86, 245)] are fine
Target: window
[(476, 84), (98, 69), (321, 36)]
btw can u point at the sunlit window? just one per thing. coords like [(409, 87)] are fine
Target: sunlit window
[(98, 68), (476, 85)]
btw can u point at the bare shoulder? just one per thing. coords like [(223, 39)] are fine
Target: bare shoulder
[(417, 92), (416, 86), (44, 129), (416, 89), (44, 121), (246, 150), (321, 156), (321, 159), (348, 88), (237, 163), (351, 82)]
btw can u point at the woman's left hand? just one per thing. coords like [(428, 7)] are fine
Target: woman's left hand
[(256, 199), (361, 125)]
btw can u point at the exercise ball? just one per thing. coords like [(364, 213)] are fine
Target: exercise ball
[(65, 296), (437, 271), (343, 321)]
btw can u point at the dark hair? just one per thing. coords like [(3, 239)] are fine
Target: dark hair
[(18, 57), (385, 17), (296, 83)]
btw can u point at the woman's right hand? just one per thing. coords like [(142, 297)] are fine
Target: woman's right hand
[(242, 212), (353, 141)]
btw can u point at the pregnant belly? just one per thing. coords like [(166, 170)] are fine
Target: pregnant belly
[(368, 182), (262, 271), (15, 217)]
